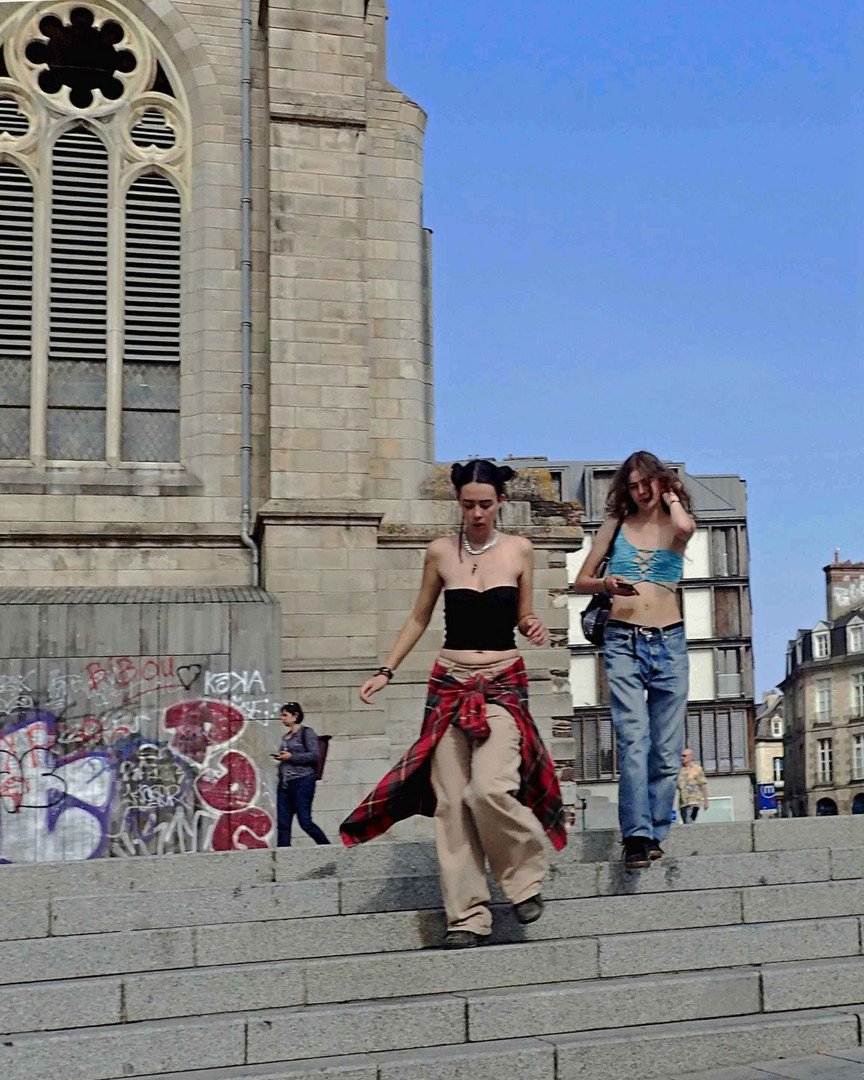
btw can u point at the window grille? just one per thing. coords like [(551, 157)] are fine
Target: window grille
[(78, 344), (151, 362), (153, 130), (16, 289), (12, 121)]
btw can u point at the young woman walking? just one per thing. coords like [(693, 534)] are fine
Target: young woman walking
[(298, 757), (645, 651), (479, 766)]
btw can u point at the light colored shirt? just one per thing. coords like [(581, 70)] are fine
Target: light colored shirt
[(691, 779)]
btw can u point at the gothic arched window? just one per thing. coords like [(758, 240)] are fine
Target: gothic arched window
[(94, 175)]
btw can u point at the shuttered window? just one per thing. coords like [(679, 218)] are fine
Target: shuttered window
[(151, 361), (16, 309), (78, 342)]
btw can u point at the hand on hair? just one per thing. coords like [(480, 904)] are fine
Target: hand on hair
[(672, 494), (533, 629)]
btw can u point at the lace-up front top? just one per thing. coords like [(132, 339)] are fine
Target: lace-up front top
[(659, 565)]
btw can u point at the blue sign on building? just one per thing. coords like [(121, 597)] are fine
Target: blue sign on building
[(767, 797)]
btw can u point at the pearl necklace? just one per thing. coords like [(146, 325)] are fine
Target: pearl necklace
[(479, 551)]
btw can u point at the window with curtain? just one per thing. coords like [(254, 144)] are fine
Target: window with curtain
[(94, 176)]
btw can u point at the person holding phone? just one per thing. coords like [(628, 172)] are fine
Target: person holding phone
[(298, 757), (645, 650), (479, 765)]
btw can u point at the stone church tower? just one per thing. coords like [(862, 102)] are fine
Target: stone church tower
[(121, 386)]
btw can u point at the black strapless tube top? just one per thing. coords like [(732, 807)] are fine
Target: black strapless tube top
[(481, 620)]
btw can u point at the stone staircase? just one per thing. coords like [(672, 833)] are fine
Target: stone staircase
[(743, 944)]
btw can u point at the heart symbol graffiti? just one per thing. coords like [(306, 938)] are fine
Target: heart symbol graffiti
[(189, 674)]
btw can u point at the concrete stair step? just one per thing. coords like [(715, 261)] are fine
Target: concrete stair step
[(432, 1035), (382, 859), (331, 895), (221, 1041), (193, 991), (569, 881), (669, 1051), (511, 1059), (637, 931)]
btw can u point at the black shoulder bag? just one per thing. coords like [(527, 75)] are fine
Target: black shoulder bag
[(596, 615)]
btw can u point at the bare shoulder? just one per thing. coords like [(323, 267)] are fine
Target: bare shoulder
[(522, 549), (439, 548), (520, 544)]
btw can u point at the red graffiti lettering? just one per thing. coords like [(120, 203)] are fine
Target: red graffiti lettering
[(97, 674), (150, 670), (199, 725), (125, 671), (232, 785), (242, 829)]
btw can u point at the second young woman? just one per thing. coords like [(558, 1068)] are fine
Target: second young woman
[(645, 650), (479, 765)]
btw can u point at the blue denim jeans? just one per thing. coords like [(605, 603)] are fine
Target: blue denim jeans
[(647, 671), (296, 797)]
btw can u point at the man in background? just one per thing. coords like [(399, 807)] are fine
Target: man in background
[(692, 787)]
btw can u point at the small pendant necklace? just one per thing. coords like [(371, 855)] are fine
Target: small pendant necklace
[(479, 551)]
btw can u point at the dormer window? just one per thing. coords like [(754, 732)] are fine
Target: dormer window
[(855, 638), (821, 644)]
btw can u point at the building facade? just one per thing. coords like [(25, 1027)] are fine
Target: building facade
[(715, 596), (824, 702), (125, 329), (769, 755)]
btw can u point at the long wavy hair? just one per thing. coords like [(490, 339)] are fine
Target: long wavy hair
[(619, 502)]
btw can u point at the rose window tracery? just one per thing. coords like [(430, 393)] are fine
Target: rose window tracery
[(82, 56)]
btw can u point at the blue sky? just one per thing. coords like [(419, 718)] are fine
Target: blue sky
[(648, 227)]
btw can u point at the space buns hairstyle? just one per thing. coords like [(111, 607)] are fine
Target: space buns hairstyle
[(481, 471)]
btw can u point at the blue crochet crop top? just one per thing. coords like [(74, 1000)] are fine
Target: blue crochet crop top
[(659, 565)]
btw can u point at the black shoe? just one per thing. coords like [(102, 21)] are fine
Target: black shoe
[(460, 939), (636, 852), (529, 910), (654, 850)]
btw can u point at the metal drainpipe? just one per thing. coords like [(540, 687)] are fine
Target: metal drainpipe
[(246, 286)]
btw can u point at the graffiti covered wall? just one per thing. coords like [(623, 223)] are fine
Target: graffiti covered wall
[(140, 723)]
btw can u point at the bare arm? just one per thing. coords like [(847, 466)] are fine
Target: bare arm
[(586, 582), (414, 626), (530, 626), (683, 524)]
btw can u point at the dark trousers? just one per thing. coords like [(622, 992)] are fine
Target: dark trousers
[(296, 797), (688, 814)]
